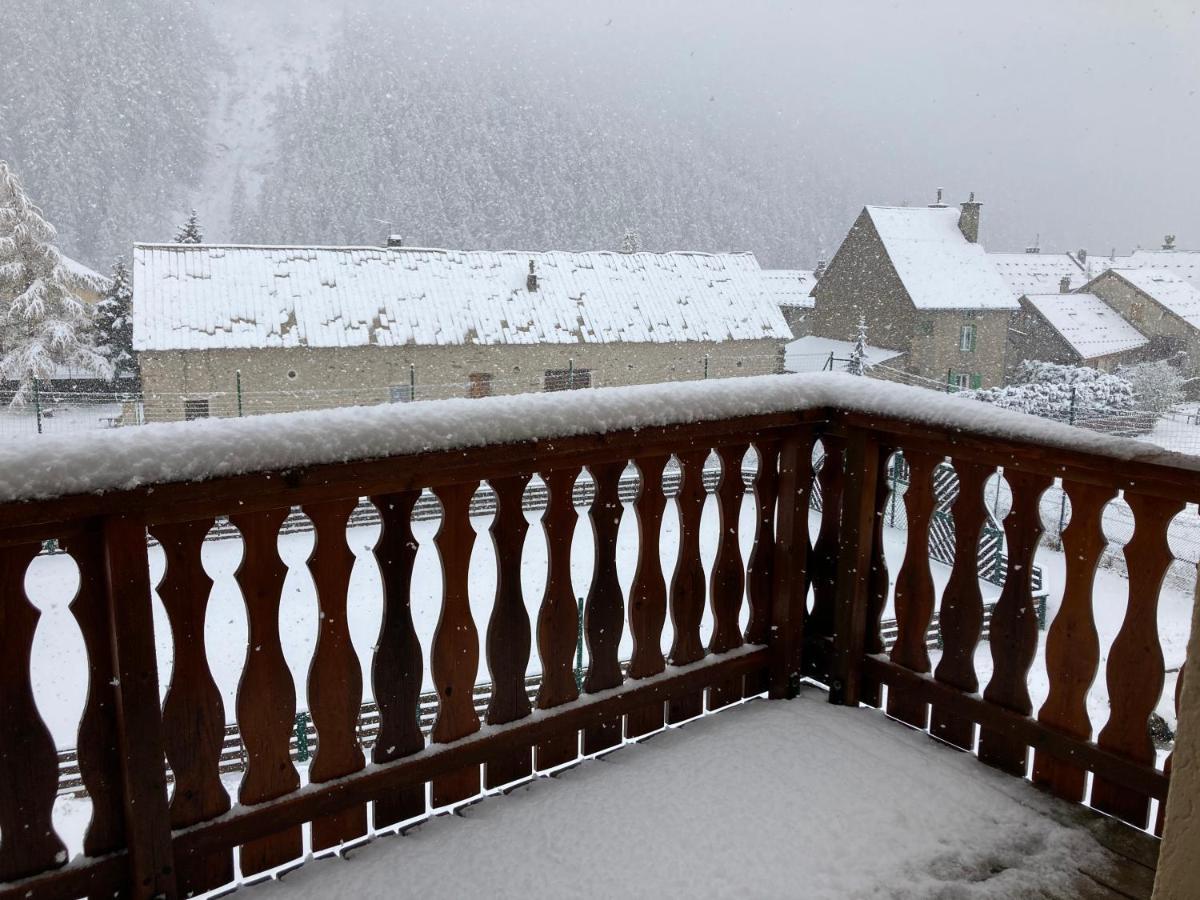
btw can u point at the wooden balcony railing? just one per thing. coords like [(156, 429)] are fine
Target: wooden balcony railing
[(146, 839)]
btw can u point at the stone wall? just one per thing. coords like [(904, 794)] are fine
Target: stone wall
[(1167, 332)]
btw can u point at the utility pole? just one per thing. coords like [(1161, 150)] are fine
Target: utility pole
[(412, 382), (706, 367), (37, 404)]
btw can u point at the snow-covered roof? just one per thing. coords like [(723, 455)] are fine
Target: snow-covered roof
[(81, 273), (1087, 323), (1168, 290), (1036, 273), (202, 297), (811, 354), (939, 267), (790, 287), (1184, 263)]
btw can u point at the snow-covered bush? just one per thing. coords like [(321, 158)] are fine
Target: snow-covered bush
[(1060, 392), (1157, 385)]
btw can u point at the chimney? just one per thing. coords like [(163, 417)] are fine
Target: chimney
[(395, 240), (1082, 255), (939, 204), (531, 279), (1064, 284), (968, 219), (819, 270), (1169, 242)]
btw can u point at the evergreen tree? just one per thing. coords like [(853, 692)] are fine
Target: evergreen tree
[(114, 322), (43, 324), (189, 232), (631, 242), (857, 364)]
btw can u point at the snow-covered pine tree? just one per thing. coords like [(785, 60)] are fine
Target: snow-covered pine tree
[(631, 242), (43, 324), (114, 322), (189, 232), (857, 364)]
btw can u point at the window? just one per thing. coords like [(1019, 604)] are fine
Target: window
[(568, 379), (195, 409), (966, 338), (958, 381), (400, 393), (479, 384)]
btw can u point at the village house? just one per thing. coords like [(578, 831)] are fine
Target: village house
[(1034, 272), (1075, 329), (927, 290), (792, 290), (225, 330), (1161, 304)]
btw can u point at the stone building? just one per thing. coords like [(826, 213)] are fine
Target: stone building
[(1161, 304), (927, 290), (223, 329), (1075, 329), (792, 290)]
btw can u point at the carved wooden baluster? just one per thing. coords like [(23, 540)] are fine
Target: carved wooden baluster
[(97, 745), (604, 612), (760, 569), (508, 635), (396, 669), (193, 714), (728, 576), (824, 556), (914, 588), (28, 760), (335, 675), (266, 697), (1014, 625), (878, 583), (454, 660), (1161, 818), (648, 596), (688, 589), (1072, 645), (558, 618), (962, 606), (792, 553), (1135, 661)]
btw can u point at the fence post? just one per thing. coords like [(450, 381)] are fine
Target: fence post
[(139, 714), (706, 367), (579, 650), (412, 382), (790, 582), (853, 567), (239, 392), (37, 404), (949, 375), (570, 374), (895, 473), (302, 736)]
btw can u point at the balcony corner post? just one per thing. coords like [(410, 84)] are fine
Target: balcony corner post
[(790, 582), (853, 567), (139, 710)]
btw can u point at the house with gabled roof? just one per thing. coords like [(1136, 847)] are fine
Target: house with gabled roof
[(228, 329), (1034, 272), (925, 287), (1160, 303), (792, 290), (1076, 329)]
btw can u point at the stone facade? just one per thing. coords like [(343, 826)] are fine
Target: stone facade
[(282, 380), (1168, 333)]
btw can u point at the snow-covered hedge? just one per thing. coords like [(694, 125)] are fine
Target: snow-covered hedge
[(1051, 390)]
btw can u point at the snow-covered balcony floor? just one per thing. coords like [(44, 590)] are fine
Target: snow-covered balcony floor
[(768, 799)]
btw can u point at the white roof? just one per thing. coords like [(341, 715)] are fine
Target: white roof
[(1168, 290), (790, 287), (1036, 273), (1184, 263), (1087, 323), (82, 274), (939, 267), (200, 297), (811, 354)]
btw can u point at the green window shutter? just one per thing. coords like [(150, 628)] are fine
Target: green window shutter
[(973, 333), (976, 380)]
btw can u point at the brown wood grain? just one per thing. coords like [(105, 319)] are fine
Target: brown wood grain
[(1072, 644), (604, 611), (648, 595), (193, 715), (760, 568), (728, 578), (266, 696), (558, 617), (508, 633), (823, 564), (454, 660), (879, 585), (1135, 660), (99, 759), (397, 668), (961, 614), (1014, 626), (28, 762), (688, 590), (914, 588), (790, 591), (335, 674)]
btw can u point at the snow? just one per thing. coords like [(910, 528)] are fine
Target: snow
[(766, 799), (939, 267), (1089, 325), (1036, 273), (1167, 289), (811, 354), (209, 297), (125, 458), (83, 274), (1184, 263), (790, 287)]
